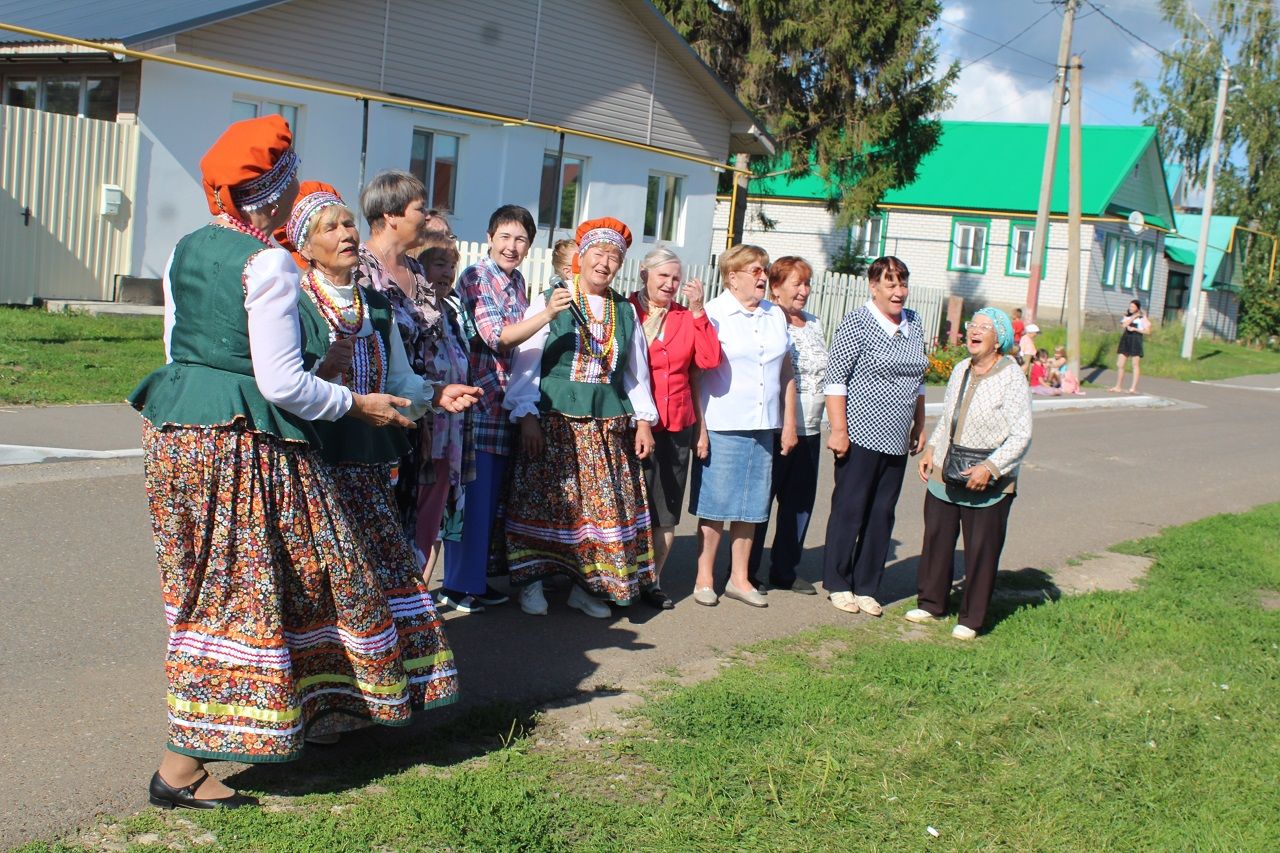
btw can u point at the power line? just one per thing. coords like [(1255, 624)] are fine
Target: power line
[(1130, 33), (1002, 44), (1008, 43)]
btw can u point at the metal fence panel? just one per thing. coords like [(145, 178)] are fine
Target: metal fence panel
[(54, 239)]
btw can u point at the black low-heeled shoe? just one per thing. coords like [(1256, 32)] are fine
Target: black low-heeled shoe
[(166, 796), (658, 599)]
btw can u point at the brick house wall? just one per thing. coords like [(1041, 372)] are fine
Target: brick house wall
[(923, 240)]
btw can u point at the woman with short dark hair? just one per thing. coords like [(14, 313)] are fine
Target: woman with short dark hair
[(494, 297), (875, 402)]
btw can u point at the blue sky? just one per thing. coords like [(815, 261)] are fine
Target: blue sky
[(1015, 83)]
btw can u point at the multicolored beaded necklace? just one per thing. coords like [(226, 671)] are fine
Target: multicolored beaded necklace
[(245, 228), (333, 313), (597, 346), (368, 370)]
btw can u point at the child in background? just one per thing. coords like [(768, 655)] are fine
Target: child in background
[(1039, 375), (1068, 382)]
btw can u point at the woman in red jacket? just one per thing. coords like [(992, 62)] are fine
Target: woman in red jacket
[(679, 338)]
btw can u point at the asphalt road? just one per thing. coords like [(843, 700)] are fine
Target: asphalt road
[(82, 633)]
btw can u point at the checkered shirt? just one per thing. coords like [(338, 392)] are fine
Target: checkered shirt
[(492, 301), (880, 377)]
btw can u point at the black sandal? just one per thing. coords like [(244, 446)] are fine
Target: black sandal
[(166, 796)]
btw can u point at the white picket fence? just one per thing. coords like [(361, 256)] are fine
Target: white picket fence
[(834, 294)]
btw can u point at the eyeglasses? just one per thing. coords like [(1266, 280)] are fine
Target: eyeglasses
[(754, 272), (979, 327)]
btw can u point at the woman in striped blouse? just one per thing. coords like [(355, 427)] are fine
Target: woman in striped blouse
[(875, 402)]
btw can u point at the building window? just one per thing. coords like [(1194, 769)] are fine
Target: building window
[(969, 244), (1129, 270), (1146, 267), (866, 239), (434, 159), (1111, 257), (84, 95), (1022, 237), (245, 108), (663, 207), (565, 211)]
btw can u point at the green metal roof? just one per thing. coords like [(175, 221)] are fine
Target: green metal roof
[(997, 166), (1181, 247)]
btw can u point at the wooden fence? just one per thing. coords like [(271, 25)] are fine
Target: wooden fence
[(834, 294)]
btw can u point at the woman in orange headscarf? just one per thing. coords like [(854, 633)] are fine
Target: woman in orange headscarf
[(580, 393), (276, 618)]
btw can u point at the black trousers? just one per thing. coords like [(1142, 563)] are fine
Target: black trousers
[(861, 524), (795, 485), (984, 532)]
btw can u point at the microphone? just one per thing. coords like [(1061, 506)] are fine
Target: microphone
[(574, 307)]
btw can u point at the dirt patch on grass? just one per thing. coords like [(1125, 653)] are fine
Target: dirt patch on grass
[(1269, 599), (1107, 572)]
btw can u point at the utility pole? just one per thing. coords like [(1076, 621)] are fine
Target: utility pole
[(1192, 317), (1074, 317), (1050, 158)]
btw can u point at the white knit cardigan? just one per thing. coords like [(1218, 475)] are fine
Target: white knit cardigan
[(998, 415)]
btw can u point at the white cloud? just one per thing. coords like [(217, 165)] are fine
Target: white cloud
[(954, 13), (986, 93)]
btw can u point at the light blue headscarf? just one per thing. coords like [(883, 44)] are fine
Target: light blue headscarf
[(1004, 327)]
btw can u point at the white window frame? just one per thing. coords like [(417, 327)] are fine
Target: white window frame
[(268, 106), (1112, 254), (867, 237), (664, 229), (964, 240), (429, 176), (1015, 252), (579, 200)]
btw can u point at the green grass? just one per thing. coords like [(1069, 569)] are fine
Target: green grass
[(74, 358), (1144, 720), (1210, 359)]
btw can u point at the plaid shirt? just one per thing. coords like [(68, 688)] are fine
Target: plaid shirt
[(493, 300)]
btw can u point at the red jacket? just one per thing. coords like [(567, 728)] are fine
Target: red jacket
[(685, 342)]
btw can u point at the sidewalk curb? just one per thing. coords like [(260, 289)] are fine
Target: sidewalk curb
[(18, 454), (1050, 404)]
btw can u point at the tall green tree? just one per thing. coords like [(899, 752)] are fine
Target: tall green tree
[(848, 88), (1245, 36)]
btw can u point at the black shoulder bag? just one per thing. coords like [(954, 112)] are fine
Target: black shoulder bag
[(960, 458)]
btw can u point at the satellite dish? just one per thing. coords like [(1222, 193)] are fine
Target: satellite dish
[(1137, 222)]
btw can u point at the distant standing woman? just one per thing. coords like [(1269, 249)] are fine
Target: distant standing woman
[(1136, 325)]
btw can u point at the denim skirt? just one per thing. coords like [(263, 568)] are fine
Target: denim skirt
[(732, 483)]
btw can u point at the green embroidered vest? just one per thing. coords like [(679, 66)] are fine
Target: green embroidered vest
[(349, 439), (564, 384), (209, 380)]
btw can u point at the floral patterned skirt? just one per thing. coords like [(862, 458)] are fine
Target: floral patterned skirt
[(276, 617), (580, 509)]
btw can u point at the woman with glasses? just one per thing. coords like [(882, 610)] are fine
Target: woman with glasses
[(987, 416), (745, 400), (875, 402)]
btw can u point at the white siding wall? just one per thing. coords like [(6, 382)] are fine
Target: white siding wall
[(183, 111), (585, 64), (923, 241)]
